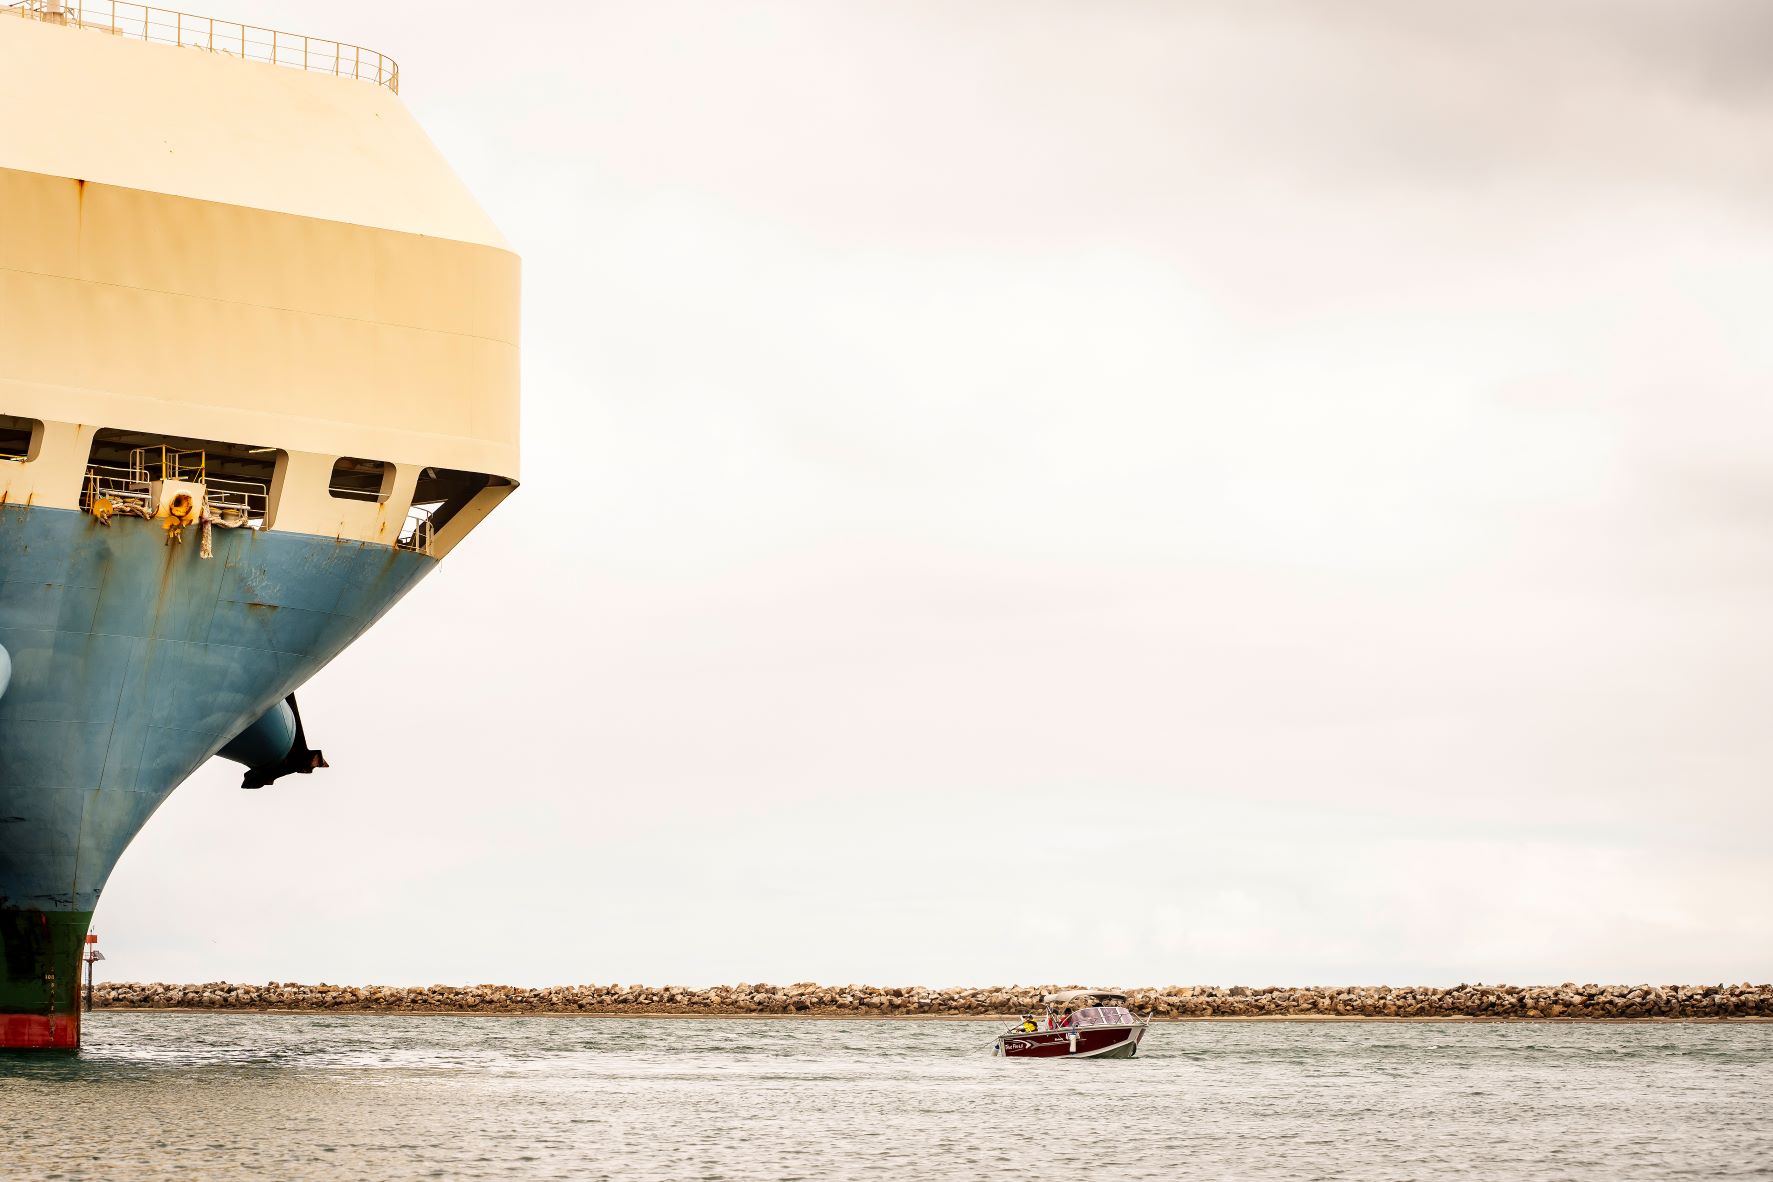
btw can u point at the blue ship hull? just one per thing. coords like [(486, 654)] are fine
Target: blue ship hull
[(132, 662)]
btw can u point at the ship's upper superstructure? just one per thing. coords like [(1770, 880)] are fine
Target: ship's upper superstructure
[(271, 267)]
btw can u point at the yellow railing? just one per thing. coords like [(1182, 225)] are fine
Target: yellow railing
[(171, 463), (143, 23)]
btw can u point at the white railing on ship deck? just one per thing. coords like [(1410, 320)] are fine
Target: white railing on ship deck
[(143, 23), (117, 484), (352, 492), (247, 498), (242, 500), (416, 531)]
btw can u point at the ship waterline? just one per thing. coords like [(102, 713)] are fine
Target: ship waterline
[(248, 398)]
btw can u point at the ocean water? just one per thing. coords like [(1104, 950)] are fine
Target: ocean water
[(237, 1096)]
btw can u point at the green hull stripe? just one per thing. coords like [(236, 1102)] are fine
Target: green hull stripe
[(40, 960)]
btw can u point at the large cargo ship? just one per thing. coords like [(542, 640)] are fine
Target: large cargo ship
[(258, 376)]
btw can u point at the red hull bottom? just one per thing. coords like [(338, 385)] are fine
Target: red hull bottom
[(40, 963), (40, 1031)]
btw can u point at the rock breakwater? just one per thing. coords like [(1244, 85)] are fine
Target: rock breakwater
[(1568, 1000)]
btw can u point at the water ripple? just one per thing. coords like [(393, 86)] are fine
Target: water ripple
[(236, 1096)]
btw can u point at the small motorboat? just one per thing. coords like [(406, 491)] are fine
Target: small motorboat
[(1077, 1024)]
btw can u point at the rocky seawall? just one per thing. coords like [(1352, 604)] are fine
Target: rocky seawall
[(865, 1001)]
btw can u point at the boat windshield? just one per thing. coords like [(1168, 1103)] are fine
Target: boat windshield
[(1104, 1016)]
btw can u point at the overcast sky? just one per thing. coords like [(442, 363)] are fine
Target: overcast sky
[(1107, 492)]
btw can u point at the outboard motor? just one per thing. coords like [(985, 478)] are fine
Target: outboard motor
[(273, 747)]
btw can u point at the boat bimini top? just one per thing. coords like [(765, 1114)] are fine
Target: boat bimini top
[(1070, 995)]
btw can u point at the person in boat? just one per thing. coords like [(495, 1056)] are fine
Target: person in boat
[(1064, 1020), (1028, 1024)]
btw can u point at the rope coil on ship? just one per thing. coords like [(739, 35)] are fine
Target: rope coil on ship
[(227, 519), (104, 508)]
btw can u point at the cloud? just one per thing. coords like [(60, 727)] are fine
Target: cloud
[(1299, 465)]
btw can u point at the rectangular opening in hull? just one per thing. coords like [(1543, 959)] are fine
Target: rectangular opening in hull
[(236, 477), (19, 438), (441, 493), (361, 480)]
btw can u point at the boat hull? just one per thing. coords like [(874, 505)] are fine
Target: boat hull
[(1088, 1042), (133, 661)]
